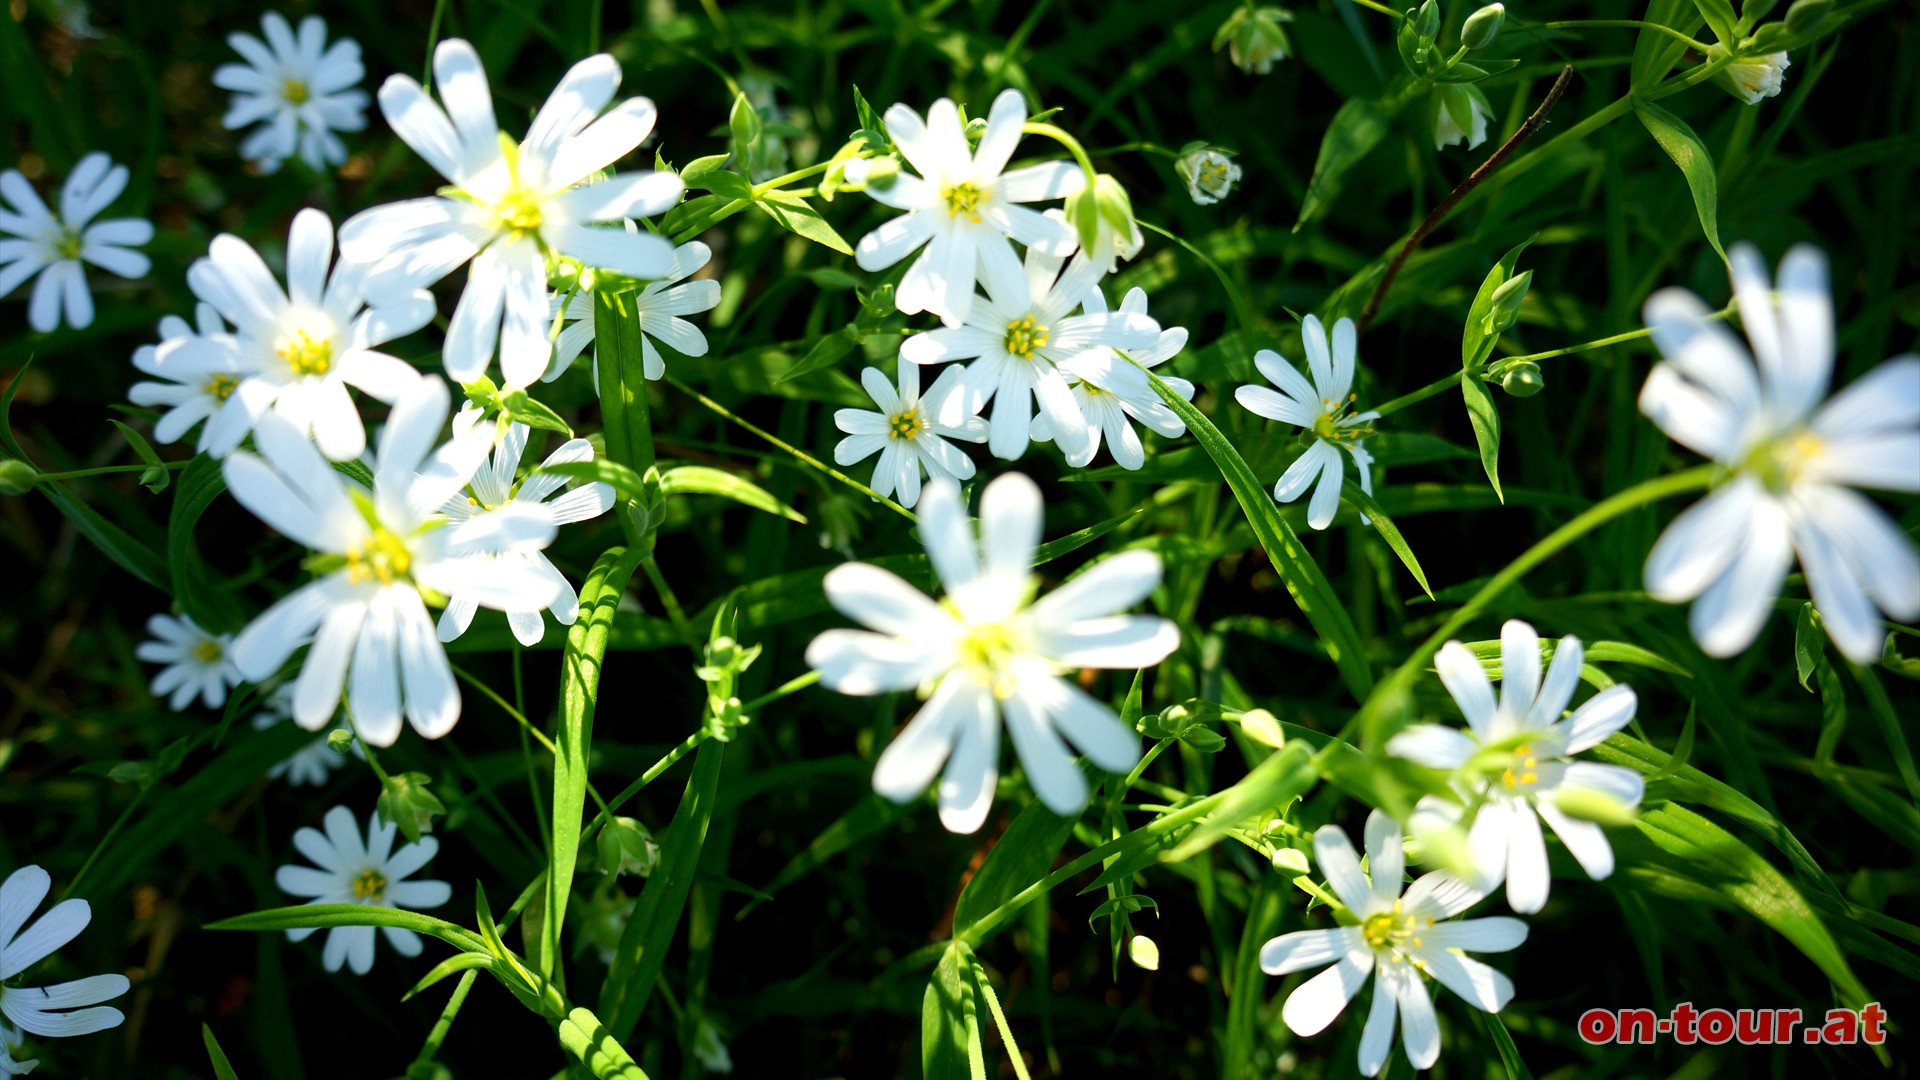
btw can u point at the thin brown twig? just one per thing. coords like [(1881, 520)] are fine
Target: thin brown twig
[(1446, 206)]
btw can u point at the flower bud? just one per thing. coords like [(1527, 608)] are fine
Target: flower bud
[(1807, 16), (1254, 38), (876, 173), (976, 129), (1209, 173), (1291, 861), (1460, 112), (710, 1050), (1102, 215), (17, 477), (1506, 303), (340, 741), (1427, 22), (1262, 727), (1144, 953), (744, 122), (626, 847), (1752, 79), (1591, 804), (405, 801), (1523, 380), (1483, 26)]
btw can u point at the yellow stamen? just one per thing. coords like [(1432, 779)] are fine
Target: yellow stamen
[(906, 425), (68, 245), (963, 199), (222, 386), (383, 558), (1024, 335), (306, 356), (207, 652), (370, 885), (295, 92)]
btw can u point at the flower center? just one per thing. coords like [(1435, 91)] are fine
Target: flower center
[(383, 558), (68, 245), (1327, 426), (1024, 335), (1213, 174), (906, 425), (222, 386), (1521, 773), (1393, 929), (306, 356), (988, 650), (295, 91), (370, 885), (963, 199), (1779, 463), (519, 210), (207, 652)]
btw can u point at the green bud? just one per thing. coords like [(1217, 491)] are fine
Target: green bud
[(1507, 299), (744, 122), (405, 801), (17, 477), (1483, 26), (1103, 209), (1591, 805), (1427, 23), (724, 715), (1291, 861), (1204, 739), (1254, 38), (1807, 16), (340, 741), (1144, 953), (879, 173), (976, 129), (1523, 380), (626, 847), (1083, 213), (1263, 727)]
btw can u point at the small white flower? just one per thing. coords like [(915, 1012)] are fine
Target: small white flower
[(297, 349), (51, 1011), (194, 387), (512, 205), (1322, 407), (1210, 174), (1016, 339), (493, 493), (36, 241), (311, 765), (1460, 113), (907, 433), (962, 207), (1795, 462), (1752, 79), (379, 549), (11, 1042), (299, 90), (659, 307), (1514, 762), (369, 872), (1255, 38), (1110, 390), (986, 652), (1399, 938), (196, 663), (710, 1050)]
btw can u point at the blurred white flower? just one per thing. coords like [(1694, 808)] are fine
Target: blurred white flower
[(962, 207), (985, 652), (1209, 173), (1399, 938), (1255, 38), (197, 664), (1514, 763), (492, 492), (312, 764), (1016, 339), (710, 1050), (378, 550), (297, 349), (11, 1042), (195, 387), (658, 307), (34, 240), (907, 433), (1322, 407), (1460, 113), (367, 872), (1794, 460), (1752, 79), (512, 205), (298, 89), (1110, 390), (48, 1011)]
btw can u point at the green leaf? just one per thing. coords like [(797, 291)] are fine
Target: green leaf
[(1891, 728), (1503, 1045), (156, 477), (949, 1024), (1809, 645), (222, 1068), (1720, 17), (705, 480), (825, 353), (1655, 53), (1682, 750), (116, 543), (1384, 525), (1022, 856), (586, 1038), (326, 916), (212, 605), (794, 215), (1301, 575), (1476, 344), (1696, 164), (1485, 418), (1282, 777), (1356, 129), (458, 962)]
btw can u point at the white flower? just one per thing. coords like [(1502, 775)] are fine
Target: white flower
[(195, 387), (299, 90), (1109, 390), (1514, 762), (297, 349), (985, 651), (1255, 38), (11, 1040), (197, 663), (907, 433), (1460, 112), (1794, 460), (364, 614), (1320, 406), (50, 1011), (1210, 174), (312, 764), (371, 873), (658, 306), (36, 241), (962, 207), (493, 493), (511, 205), (1752, 79), (710, 1050), (1399, 938), (1016, 338)]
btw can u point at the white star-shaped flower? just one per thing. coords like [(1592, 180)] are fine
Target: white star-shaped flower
[(658, 306), (1398, 939), (193, 387), (1110, 391), (512, 205), (196, 663), (34, 240), (963, 208), (368, 872), (312, 764), (298, 89), (48, 1011), (907, 433), (1794, 462), (986, 652), (1324, 407)]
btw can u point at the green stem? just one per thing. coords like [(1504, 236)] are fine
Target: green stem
[(623, 394), (1419, 395), (1373, 5), (1241, 312), (1621, 24), (441, 1026), (793, 685), (1072, 144), (782, 181), (104, 470), (672, 603)]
